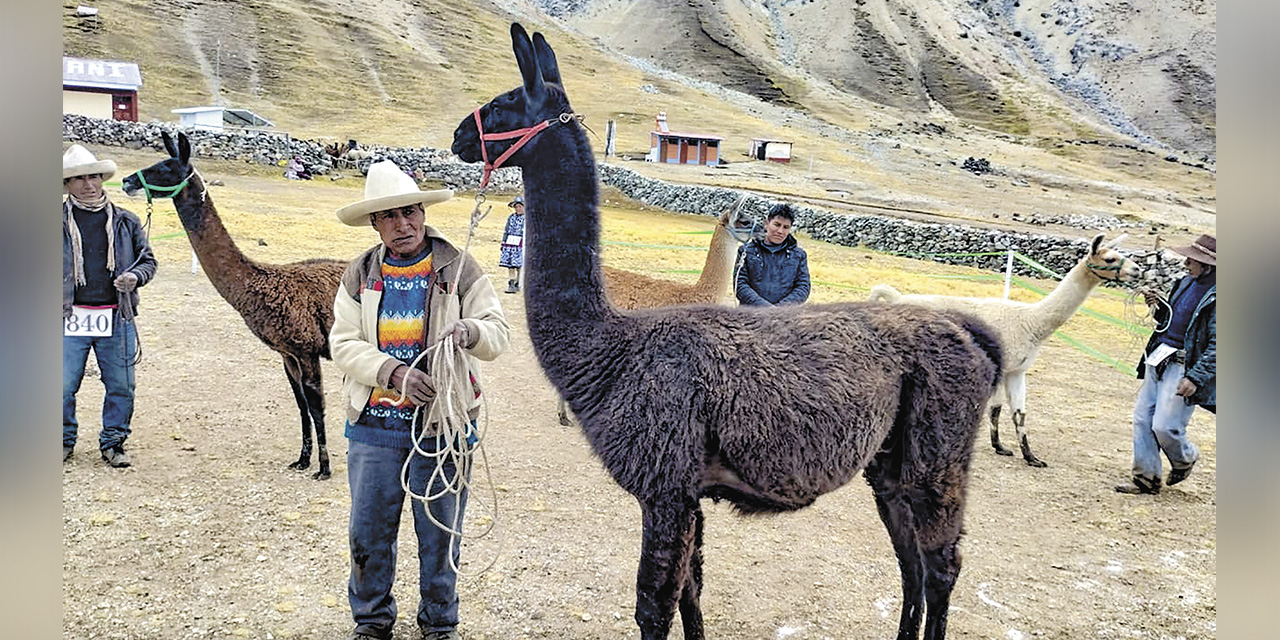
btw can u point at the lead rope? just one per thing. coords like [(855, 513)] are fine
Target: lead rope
[(456, 440), (122, 299)]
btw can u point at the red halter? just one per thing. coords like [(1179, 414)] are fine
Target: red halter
[(526, 134)]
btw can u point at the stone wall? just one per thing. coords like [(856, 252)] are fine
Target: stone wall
[(922, 239)]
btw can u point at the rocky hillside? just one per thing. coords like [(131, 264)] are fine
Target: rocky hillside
[(886, 101), (1141, 68)]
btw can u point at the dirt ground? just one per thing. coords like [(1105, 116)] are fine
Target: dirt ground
[(209, 535)]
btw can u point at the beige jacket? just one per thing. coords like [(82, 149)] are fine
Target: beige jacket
[(460, 290)]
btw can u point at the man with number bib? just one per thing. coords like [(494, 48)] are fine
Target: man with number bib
[(105, 258), (412, 292)]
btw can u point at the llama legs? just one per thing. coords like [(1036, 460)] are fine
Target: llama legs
[(670, 530), (293, 369), (690, 611), (938, 529), (562, 409), (995, 432), (1017, 383), (304, 381), (895, 512), (313, 391), (996, 403)]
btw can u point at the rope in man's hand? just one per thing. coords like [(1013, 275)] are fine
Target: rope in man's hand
[(447, 391)]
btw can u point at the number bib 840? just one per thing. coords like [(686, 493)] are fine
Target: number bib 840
[(88, 321)]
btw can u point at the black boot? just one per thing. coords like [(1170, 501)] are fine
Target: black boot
[(512, 287)]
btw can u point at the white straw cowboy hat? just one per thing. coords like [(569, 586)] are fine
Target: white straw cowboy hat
[(1204, 250), (79, 161), (387, 187)]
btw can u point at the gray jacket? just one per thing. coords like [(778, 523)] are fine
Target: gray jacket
[(768, 276), (132, 253)]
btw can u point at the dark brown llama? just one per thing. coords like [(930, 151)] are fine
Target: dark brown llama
[(630, 290), (767, 408), (288, 306)]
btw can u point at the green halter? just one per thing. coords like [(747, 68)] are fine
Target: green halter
[(161, 192)]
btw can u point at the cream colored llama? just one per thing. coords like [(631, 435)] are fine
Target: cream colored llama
[(1023, 326), (630, 290)]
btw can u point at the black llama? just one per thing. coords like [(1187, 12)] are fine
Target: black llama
[(767, 408), (287, 306)]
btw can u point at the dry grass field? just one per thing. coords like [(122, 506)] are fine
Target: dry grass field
[(210, 536)]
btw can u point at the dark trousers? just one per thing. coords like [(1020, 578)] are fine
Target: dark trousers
[(377, 500)]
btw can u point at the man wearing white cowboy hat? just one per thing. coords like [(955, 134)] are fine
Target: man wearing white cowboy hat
[(105, 258), (1179, 370), (403, 296)]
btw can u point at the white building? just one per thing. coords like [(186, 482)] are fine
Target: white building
[(217, 118)]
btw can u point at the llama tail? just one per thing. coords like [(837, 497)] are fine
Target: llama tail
[(884, 293), (987, 340)]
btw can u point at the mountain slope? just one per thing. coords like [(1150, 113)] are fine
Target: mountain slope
[(889, 128), (1144, 69)]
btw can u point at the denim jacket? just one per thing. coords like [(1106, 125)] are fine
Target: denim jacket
[(768, 277), (1201, 345)]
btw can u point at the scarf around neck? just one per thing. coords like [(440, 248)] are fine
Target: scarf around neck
[(77, 248)]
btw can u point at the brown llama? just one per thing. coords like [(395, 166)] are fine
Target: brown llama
[(631, 290), (1024, 327), (289, 307), (768, 408)]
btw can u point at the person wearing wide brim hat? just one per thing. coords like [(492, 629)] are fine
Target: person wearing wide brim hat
[(511, 253), (411, 291), (105, 259), (1179, 370), (388, 187), (1204, 250), (79, 161)]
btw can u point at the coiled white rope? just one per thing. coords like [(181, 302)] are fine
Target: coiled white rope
[(457, 441), (1146, 317)]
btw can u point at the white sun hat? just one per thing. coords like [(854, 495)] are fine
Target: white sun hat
[(387, 187), (79, 161)]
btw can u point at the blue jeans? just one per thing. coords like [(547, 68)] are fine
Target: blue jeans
[(377, 500), (1160, 424), (115, 354)]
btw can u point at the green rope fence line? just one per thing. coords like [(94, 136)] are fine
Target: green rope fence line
[(651, 246), (1111, 362), (1136, 330), (1098, 355)]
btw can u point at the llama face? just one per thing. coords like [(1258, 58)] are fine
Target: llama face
[(166, 173), (1108, 263), (538, 99)]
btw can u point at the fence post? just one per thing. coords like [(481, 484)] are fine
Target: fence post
[(1008, 273), (610, 132)]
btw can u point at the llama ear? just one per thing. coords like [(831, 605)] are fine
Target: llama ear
[(526, 58), (184, 148), (168, 144), (1115, 244), (1096, 244), (546, 59)]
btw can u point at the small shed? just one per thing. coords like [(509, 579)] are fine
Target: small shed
[(218, 118), (672, 147), (106, 89), (774, 150)]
